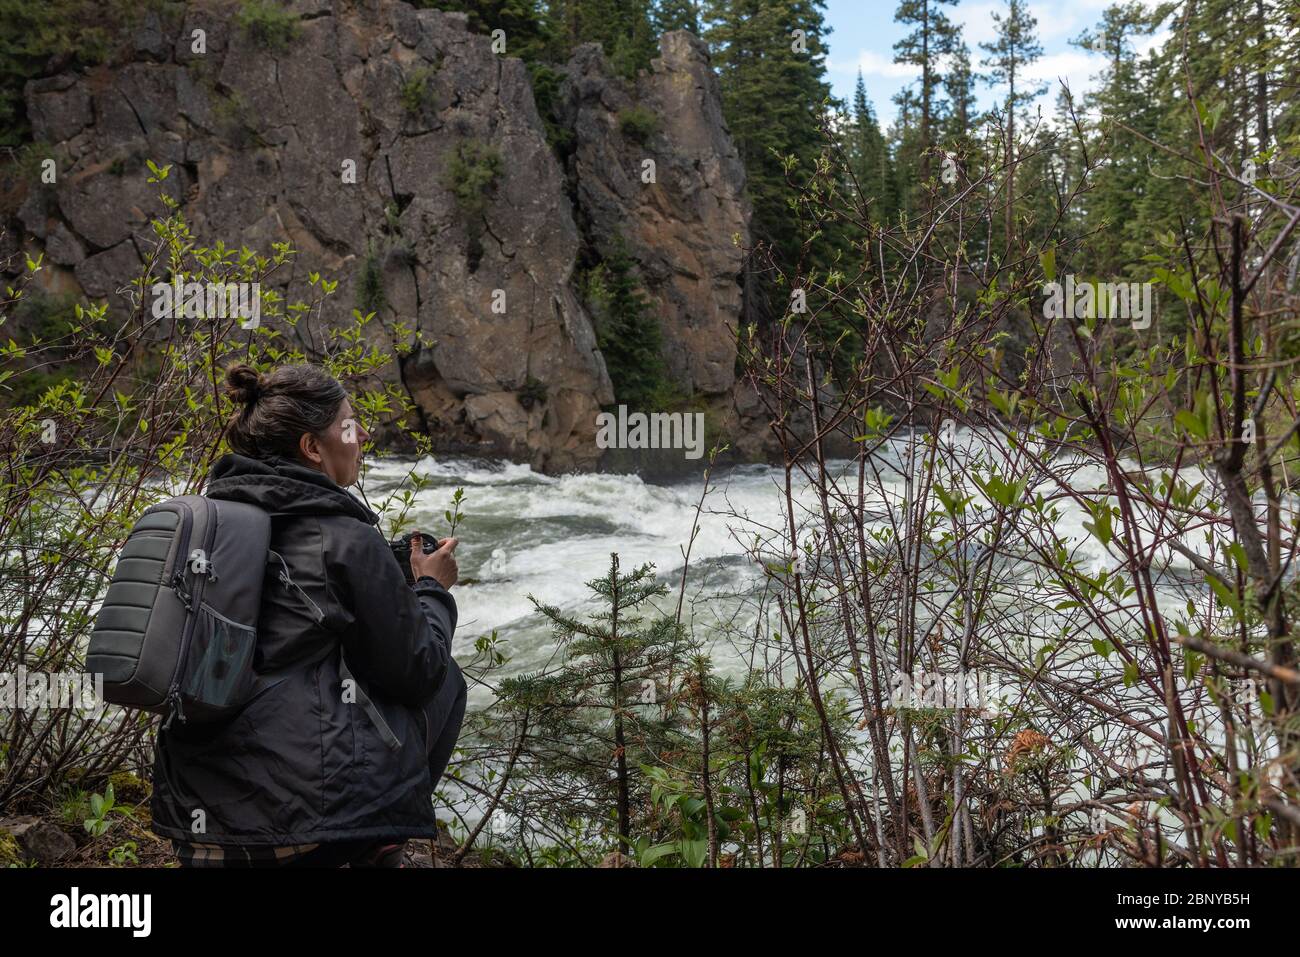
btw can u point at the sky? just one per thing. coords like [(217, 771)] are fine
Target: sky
[(864, 33)]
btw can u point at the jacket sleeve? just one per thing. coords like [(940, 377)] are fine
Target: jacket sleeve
[(397, 638)]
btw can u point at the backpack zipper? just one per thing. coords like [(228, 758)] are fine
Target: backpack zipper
[(193, 598), (177, 582)]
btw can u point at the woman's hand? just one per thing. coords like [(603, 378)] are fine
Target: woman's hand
[(440, 565)]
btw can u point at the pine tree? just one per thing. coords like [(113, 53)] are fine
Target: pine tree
[(1123, 104), (592, 712), (773, 94), (676, 15), (869, 157), (905, 142), (628, 333), (622, 28), (524, 22), (933, 37), (959, 84), (1015, 48)]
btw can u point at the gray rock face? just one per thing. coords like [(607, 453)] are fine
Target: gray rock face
[(260, 141), (687, 228)]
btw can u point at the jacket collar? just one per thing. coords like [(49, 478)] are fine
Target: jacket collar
[(284, 487)]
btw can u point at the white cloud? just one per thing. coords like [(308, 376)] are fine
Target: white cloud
[(1145, 45), (872, 63), (1074, 67), (977, 26), (1058, 23)]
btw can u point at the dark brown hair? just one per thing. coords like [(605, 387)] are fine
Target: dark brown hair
[(272, 411)]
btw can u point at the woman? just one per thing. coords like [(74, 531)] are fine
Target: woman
[(357, 702)]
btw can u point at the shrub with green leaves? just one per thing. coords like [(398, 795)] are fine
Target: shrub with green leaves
[(472, 172), (638, 123), (84, 32), (140, 419), (232, 116), (533, 393), (370, 283), (269, 22), (415, 89)]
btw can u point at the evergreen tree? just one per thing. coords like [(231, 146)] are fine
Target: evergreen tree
[(869, 157), (933, 36), (676, 15), (628, 333), (527, 32), (903, 144), (598, 710), (1015, 48), (959, 84), (1125, 122), (622, 28), (773, 88)]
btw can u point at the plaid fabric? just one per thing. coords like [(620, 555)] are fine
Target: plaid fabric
[(358, 854), (219, 855)]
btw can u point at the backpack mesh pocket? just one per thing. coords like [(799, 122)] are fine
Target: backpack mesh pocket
[(219, 667)]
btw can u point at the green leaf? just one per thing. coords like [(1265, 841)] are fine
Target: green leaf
[(694, 852), (1003, 492), (656, 853), (952, 504), (1100, 526), (1048, 258), (1263, 825), (1191, 423), (1226, 596)]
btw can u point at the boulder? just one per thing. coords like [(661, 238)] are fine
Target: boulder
[(40, 840)]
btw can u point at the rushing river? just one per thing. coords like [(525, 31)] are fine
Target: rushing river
[(528, 533)]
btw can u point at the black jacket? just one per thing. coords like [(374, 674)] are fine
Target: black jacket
[(299, 764)]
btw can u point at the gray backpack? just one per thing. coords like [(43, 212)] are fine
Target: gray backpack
[(177, 630)]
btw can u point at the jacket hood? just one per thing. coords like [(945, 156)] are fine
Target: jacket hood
[(282, 486)]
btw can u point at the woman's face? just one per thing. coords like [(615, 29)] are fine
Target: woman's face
[(338, 450)]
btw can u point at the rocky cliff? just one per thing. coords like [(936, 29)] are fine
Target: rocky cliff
[(258, 138)]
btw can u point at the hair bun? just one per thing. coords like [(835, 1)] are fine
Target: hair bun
[(243, 384)]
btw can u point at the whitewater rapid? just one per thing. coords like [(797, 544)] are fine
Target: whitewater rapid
[(525, 533)]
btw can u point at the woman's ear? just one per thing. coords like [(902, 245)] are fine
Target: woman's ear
[(309, 448)]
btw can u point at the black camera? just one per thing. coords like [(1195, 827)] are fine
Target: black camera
[(402, 550)]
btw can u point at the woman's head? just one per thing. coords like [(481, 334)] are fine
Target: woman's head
[(295, 412)]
